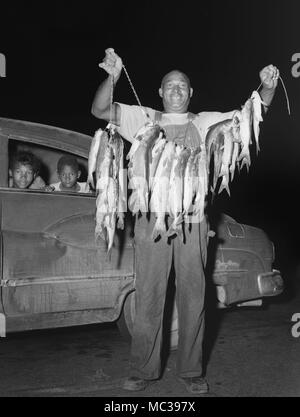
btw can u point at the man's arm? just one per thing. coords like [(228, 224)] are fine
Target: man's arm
[(101, 107), (269, 78)]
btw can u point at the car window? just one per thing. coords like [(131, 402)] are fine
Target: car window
[(235, 230), (47, 157)]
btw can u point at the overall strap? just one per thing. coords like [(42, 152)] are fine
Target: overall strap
[(191, 116), (157, 117), (186, 134)]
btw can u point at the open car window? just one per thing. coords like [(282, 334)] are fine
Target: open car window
[(48, 158)]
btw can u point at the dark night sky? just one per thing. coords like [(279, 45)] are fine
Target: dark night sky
[(53, 49)]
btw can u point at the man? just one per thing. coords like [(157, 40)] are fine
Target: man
[(154, 258)]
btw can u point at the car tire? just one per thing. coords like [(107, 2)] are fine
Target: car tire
[(125, 321)]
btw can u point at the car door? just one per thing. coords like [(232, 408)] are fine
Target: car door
[(52, 266)]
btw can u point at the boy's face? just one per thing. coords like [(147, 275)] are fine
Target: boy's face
[(68, 177), (22, 175)]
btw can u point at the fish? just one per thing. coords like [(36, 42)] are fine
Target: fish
[(122, 192), (235, 153), (226, 160), (214, 142), (257, 116), (236, 137), (109, 221), (202, 186), (157, 151), (195, 173), (191, 180), (103, 186), (138, 168), (245, 133), (235, 128), (107, 186), (219, 143), (102, 152), (177, 189), (93, 152), (117, 145), (160, 189), (144, 134), (175, 199)]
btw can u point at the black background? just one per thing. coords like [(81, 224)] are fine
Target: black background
[(52, 53)]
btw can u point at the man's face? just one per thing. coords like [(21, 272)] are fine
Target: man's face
[(175, 92), (68, 177), (22, 175)]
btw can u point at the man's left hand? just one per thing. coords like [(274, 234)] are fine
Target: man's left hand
[(269, 76)]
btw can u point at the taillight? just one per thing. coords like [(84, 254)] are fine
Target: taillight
[(273, 252)]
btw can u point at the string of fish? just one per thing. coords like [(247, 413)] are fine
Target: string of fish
[(106, 163), (228, 142), (165, 178)]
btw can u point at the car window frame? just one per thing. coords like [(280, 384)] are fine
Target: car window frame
[(4, 170)]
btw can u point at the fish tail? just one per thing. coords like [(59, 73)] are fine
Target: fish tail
[(120, 222), (232, 171), (174, 228), (244, 154), (171, 231), (155, 233), (109, 246), (158, 230), (257, 147), (132, 204), (224, 186), (108, 255), (245, 161)]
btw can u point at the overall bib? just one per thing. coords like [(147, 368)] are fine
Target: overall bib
[(153, 265)]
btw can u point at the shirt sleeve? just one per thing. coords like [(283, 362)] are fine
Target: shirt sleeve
[(38, 184), (132, 119), (84, 188)]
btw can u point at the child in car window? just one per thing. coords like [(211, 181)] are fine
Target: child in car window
[(68, 173), (24, 171)]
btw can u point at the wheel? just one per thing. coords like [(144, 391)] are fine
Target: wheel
[(125, 321)]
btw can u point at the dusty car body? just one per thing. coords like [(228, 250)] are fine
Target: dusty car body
[(53, 273)]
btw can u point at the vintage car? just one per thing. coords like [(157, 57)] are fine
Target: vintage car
[(54, 274)]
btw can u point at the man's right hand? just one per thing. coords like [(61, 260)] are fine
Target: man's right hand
[(112, 63)]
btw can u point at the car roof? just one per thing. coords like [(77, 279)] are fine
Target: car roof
[(47, 135)]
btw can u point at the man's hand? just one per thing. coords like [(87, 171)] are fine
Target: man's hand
[(269, 77), (112, 63)]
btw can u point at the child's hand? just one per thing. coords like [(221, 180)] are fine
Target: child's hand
[(49, 188)]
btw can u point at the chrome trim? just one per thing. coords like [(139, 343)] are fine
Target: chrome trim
[(270, 283)]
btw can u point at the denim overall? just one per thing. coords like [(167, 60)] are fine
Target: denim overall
[(153, 265)]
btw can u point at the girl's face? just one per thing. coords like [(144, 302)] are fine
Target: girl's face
[(22, 175)]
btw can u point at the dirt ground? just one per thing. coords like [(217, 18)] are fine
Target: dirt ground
[(249, 353)]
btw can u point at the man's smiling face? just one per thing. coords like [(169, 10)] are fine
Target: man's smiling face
[(175, 92)]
